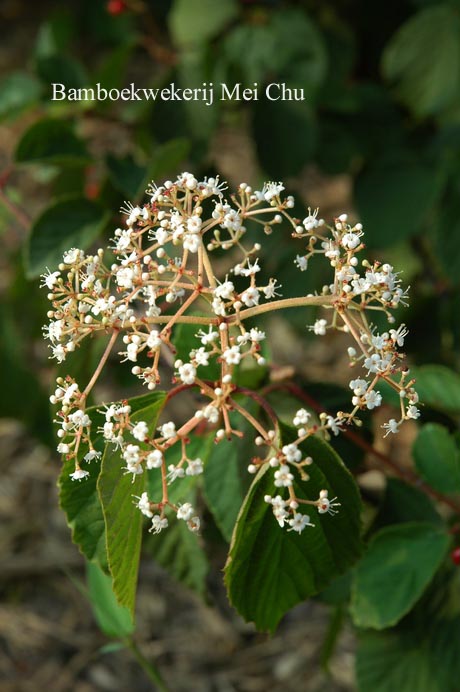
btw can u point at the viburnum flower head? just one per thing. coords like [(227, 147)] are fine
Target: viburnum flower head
[(185, 269)]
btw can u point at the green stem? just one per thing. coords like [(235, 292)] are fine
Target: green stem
[(149, 669)]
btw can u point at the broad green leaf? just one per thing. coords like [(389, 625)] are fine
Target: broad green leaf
[(406, 660), (270, 569), (17, 91), (438, 387), (193, 22), (123, 520), (395, 571), (51, 141), (288, 43), (79, 499), (71, 222), (222, 485), (426, 71), (180, 552), (113, 619), (126, 175), (177, 549), (402, 503), (437, 458), (393, 199)]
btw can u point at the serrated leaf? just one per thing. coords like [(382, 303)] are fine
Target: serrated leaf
[(437, 458), (113, 619), (193, 22), (178, 550), (426, 72), (269, 569), (222, 485), (80, 500), (51, 141), (17, 91), (395, 571), (123, 520), (72, 222)]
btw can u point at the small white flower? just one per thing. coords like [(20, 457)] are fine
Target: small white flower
[(373, 399), (359, 386), (391, 427), (154, 459), (301, 417), (175, 472), (78, 474), (158, 524), (250, 297), (168, 430), (301, 263), (325, 505), (292, 452), (319, 327), (195, 467), (225, 290), (350, 241), (154, 341), (140, 431), (185, 511), (283, 477), (92, 454), (144, 505), (194, 524), (299, 522), (187, 373), (50, 279), (232, 355), (412, 412)]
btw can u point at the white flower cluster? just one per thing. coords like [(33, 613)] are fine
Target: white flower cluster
[(162, 276)]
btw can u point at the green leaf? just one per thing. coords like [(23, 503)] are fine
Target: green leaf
[(269, 569), (168, 156), (126, 175), (438, 387), (426, 71), (194, 22), (180, 552), (80, 500), (51, 141), (447, 231), (395, 571), (222, 485), (17, 91), (437, 458), (71, 222), (405, 661), (60, 69), (113, 619), (288, 43), (403, 503), (394, 198), (123, 520)]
